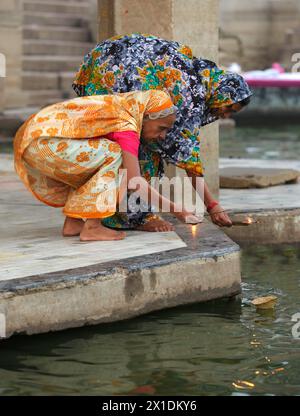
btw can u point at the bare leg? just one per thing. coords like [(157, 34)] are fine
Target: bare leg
[(72, 226), (93, 230)]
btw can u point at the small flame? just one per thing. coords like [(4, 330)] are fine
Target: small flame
[(194, 229), (249, 220)]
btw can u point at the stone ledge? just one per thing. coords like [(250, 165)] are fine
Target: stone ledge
[(277, 208), (208, 268), (274, 226), (249, 177)]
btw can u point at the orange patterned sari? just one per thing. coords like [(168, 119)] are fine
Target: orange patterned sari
[(62, 161)]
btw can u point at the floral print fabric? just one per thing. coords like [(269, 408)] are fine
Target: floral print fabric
[(146, 62), (76, 175), (81, 120), (87, 117)]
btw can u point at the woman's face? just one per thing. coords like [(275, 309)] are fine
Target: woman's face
[(226, 111), (154, 130)]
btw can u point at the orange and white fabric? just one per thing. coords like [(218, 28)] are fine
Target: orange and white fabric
[(63, 162)]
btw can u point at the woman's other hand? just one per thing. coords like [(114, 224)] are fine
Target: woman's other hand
[(219, 216), (188, 217)]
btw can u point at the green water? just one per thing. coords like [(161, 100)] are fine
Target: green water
[(215, 348), (260, 143)]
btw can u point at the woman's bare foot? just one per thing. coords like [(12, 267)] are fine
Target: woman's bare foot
[(156, 225), (72, 227), (93, 230)]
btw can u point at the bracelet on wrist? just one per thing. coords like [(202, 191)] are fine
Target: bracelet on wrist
[(211, 205)]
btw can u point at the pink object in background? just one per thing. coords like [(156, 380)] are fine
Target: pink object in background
[(278, 67), (272, 77)]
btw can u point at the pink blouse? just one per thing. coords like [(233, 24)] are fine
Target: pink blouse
[(129, 141)]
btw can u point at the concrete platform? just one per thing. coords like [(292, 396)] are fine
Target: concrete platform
[(277, 208), (253, 177), (50, 283)]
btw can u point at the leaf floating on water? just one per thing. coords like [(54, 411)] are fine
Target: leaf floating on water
[(265, 302)]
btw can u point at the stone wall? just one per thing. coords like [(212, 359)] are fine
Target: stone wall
[(11, 48), (259, 32), (285, 31)]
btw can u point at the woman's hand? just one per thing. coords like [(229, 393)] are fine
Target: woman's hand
[(187, 217), (219, 216)]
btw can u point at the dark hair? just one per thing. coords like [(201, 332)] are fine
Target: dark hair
[(244, 102)]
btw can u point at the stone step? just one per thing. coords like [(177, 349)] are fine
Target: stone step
[(72, 8), (42, 98), (66, 79), (54, 19), (249, 177), (43, 47), (40, 80), (49, 63), (33, 80), (63, 33)]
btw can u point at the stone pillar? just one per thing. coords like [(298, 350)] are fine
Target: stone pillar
[(191, 22), (93, 20), (11, 48), (196, 23)]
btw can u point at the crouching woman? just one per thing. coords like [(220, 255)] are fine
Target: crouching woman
[(68, 153)]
